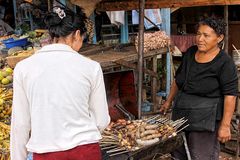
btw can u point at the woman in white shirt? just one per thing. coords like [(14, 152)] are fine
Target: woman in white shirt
[(59, 102)]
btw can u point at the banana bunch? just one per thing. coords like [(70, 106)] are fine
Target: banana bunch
[(4, 141), (5, 103)]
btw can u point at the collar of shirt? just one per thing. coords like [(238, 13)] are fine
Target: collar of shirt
[(57, 47)]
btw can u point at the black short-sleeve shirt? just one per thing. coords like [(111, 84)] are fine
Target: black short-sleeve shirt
[(212, 79)]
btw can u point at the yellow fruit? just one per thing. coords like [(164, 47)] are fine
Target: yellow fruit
[(9, 70), (1, 77), (5, 81), (10, 78), (1, 101), (1, 115)]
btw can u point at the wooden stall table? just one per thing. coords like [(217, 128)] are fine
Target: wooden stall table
[(127, 56)]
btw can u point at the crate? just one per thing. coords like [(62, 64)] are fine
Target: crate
[(11, 42)]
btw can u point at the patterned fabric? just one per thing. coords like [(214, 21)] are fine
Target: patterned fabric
[(183, 42)]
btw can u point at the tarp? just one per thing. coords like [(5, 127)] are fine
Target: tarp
[(88, 5)]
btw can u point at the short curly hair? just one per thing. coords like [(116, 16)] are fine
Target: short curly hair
[(218, 25)]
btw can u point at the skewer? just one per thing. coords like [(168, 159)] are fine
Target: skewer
[(116, 150), (114, 154), (179, 120), (109, 147), (236, 49), (109, 142), (179, 125), (110, 137), (162, 121), (183, 128), (105, 145), (152, 118)]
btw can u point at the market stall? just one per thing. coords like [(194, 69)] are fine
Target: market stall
[(120, 67), (111, 60)]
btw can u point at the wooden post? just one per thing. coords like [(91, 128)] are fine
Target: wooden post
[(49, 5), (15, 11), (140, 55), (166, 16), (154, 84), (226, 34), (124, 29)]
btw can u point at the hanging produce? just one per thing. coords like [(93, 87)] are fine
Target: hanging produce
[(153, 41)]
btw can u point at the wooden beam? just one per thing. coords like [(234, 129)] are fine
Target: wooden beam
[(112, 5), (134, 66), (154, 84), (141, 8), (227, 29)]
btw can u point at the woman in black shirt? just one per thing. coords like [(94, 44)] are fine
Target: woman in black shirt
[(206, 71)]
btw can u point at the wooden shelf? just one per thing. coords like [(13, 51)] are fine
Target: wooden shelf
[(107, 58)]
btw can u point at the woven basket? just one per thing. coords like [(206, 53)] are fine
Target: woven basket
[(13, 60), (5, 152)]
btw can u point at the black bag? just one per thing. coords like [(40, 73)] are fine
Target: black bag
[(201, 112)]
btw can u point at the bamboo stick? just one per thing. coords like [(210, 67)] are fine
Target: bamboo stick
[(111, 155)]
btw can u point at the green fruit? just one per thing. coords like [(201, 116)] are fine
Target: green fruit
[(5, 81), (1, 77), (9, 70), (12, 51), (29, 48), (10, 78)]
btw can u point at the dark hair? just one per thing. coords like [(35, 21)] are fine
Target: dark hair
[(218, 25), (62, 27)]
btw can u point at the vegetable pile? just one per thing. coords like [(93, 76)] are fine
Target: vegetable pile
[(153, 41)]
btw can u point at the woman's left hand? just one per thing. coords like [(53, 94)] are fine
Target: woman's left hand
[(224, 133)]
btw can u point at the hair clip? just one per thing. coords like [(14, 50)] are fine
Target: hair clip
[(60, 12)]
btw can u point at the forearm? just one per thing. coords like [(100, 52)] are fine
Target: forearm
[(229, 106), (98, 103), (19, 139), (173, 92)]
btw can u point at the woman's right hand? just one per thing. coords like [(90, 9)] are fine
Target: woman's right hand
[(164, 107)]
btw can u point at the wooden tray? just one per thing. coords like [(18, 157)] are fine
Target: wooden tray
[(13, 60)]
